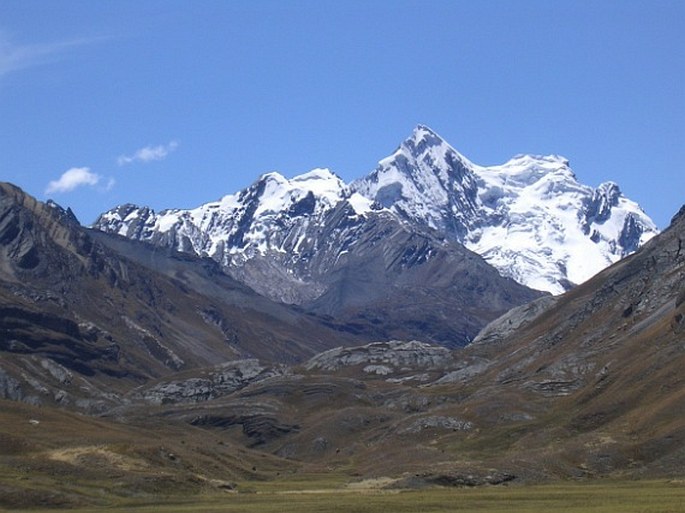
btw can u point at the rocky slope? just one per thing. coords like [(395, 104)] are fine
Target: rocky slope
[(530, 218), (581, 385), (85, 315)]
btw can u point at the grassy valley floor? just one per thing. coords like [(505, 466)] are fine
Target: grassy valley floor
[(606, 496)]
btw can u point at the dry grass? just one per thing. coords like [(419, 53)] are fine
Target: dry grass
[(593, 497), (77, 456)]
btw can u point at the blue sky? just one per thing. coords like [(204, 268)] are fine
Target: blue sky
[(173, 104)]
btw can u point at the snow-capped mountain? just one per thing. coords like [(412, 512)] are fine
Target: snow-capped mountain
[(239, 224), (360, 268), (269, 235), (530, 218)]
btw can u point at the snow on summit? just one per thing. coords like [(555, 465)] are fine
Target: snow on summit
[(529, 217)]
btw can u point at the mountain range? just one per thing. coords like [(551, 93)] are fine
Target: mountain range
[(530, 218), (308, 327)]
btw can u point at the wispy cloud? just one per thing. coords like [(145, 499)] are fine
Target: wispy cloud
[(111, 182), (148, 154), (14, 57), (74, 178)]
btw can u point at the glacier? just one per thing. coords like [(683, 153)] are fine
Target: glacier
[(530, 217)]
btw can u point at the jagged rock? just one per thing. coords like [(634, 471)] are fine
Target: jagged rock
[(388, 357), (221, 381), (373, 253), (57, 371)]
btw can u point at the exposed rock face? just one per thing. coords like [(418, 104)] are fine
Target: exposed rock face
[(31, 230), (610, 350), (217, 382), (393, 355), (513, 320), (475, 477), (258, 428), (414, 285), (375, 252), (265, 235)]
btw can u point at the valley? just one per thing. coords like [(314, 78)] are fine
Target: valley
[(289, 496), (139, 371)]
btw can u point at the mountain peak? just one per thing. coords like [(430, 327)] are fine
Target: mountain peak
[(320, 180), (425, 130), (680, 215), (610, 190), (7, 188), (319, 173), (422, 139), (272, 176)]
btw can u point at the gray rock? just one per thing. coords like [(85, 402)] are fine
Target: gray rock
[(57, 371), (437, 422), (386, 357), (220, 381), (514, 319), (470, 369), (9, 387)]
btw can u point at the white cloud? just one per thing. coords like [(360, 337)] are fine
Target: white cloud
[(71, 179), (14, 57), (148, 154), (111, 182)]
